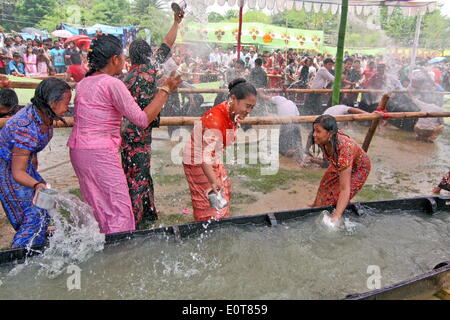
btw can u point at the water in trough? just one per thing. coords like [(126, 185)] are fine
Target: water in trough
[(302, 259)]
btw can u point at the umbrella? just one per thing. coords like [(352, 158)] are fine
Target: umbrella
[(34, 32), (436, 60), (84, 44), (76, 38), (62, 34)]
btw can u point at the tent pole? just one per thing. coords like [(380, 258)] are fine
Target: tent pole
[(340, 53), (241, 7), (416, 45)]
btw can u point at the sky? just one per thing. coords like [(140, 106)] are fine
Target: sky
[(446, 8)]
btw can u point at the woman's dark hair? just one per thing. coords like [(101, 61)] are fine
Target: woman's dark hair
[(140, 52), (103, 47), (48, 91), (8, 98), (304, 74), (329, 123), (29, 46), (75, 59), (241, 89)]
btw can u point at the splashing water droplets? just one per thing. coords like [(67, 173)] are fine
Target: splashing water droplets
[(75, 239)]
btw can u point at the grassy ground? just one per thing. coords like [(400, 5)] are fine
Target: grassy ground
[(208, 97), (24, 95)]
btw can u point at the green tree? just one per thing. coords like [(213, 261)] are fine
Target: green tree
[(398, 27), (256, 16), (307, 20), (147, 14), (215, 17), (435, 31), (108, 12), (20, 14)]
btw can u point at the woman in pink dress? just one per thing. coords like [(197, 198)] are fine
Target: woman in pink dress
[(100, 103), (29, 60), (43, 62)]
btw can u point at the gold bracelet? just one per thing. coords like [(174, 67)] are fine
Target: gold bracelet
[(165, 89)]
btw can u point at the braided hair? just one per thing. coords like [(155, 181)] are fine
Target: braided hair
[(140, 52), (103, 47), (48, 91), (240, 88), (329, 123)]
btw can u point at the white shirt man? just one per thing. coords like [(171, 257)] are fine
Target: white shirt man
[(322, 79), (290, 140), (285, 107)]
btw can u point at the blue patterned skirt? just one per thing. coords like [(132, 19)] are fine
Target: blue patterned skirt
[(29, 221)]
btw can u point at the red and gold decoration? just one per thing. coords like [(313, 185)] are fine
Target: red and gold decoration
[(285, 37), (254, 33), (219, 34)]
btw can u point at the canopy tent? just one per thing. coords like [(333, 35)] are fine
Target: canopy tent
[(366, 7), (126, 34), (255, 33), (92, 30)]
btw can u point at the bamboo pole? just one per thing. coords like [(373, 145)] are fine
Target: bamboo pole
[(33, 85), (374, 124), (340, 52), (27, 85), (189, 121)]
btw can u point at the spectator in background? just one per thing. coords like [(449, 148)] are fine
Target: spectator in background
[(16, 67), (18, 46), (76, 71), (57, 54), (368, 73), (43, 63), (30, 62), (258, 77), (7, 53), (70, 52), (313, 101)]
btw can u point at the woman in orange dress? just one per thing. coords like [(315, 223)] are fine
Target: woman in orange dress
[(348, 170), (202, 156)]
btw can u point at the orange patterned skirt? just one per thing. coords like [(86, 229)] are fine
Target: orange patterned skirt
[(199, 186), (328, 193)]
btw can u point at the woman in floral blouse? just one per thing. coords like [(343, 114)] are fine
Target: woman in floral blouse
[(348, 170), (141, 81), (26, 134)]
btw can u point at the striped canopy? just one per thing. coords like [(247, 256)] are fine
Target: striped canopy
[(360, 7)]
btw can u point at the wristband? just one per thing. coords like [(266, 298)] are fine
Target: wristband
[(165, 89)]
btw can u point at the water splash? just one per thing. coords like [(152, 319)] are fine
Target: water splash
[(344, 224), (76, 238)]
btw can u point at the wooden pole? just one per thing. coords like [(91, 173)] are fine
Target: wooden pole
[(241, 8), (189, 121), (374, 125)]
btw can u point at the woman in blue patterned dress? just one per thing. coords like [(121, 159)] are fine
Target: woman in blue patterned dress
[(24, 135)]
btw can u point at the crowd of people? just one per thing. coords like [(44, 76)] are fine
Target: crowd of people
[(117, 106), (41, 58), (308, 70)]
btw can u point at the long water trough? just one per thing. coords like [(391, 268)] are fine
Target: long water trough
[(279, 255)]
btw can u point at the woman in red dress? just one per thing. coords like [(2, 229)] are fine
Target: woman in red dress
[(202, 156), (444, 184), (348, 170)]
